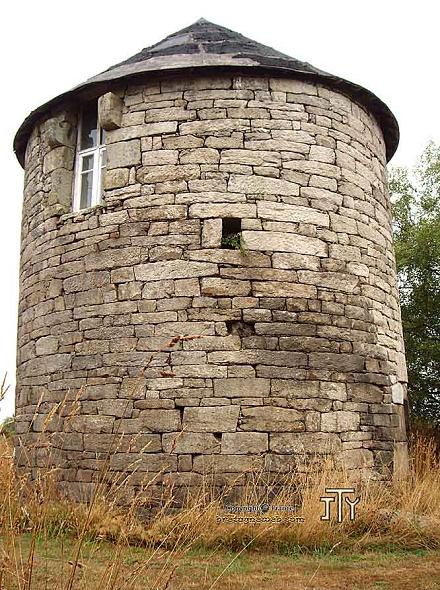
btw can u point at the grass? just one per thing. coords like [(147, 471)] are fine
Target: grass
[(396, 569)]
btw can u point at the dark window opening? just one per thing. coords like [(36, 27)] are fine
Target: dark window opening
[(240, 328), (231, 233)]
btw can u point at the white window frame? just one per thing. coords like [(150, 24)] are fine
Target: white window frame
[(98, 153)]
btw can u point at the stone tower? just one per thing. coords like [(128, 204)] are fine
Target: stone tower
[(217, 193)]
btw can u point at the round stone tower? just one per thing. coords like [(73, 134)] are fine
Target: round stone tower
[(207, 268)]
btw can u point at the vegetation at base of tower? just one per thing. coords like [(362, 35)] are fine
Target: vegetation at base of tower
[(416, 210), (48, 541)]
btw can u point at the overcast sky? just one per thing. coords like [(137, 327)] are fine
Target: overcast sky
[(47, 47)]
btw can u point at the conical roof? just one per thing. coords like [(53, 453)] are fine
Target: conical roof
[(210, 46)]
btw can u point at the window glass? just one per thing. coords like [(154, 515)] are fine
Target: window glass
[(86, 190), (89, 127), (87, 163), (103, 165)]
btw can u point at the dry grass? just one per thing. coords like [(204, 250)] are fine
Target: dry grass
[(403, 514)]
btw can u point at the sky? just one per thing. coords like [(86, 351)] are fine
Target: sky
[(47, 47)]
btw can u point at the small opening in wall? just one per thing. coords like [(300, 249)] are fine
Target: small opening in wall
[(240, 328), (231, 233)]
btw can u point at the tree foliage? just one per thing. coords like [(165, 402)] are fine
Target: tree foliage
[(416, 208)]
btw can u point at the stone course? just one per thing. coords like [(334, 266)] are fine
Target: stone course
[(299, 346)]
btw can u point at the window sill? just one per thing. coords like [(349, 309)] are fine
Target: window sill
[(77, 216)]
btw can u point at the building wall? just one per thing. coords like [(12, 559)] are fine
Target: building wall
[(300, 348)]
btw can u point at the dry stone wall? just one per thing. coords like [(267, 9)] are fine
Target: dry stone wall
[(299, 346)]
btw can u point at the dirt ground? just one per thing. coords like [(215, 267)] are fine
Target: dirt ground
[(104, 566)]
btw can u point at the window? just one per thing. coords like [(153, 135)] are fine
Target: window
[(90, 159)]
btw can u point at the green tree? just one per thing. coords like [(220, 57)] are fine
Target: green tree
[(7, 427), (416, 208)]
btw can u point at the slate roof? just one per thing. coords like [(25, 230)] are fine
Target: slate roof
[(210, 46)]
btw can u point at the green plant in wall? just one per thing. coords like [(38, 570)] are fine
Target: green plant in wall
[(235, 242)]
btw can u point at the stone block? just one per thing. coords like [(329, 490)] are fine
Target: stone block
[(61, 188), (357, 459), (124, 153), (282, 289), (160, 157), (339, 421), (338, 281), (294, 86), (218, 210), (336, 362), (212, 233), (51, 364), (211, 419), (290, 260), (59, 157), (168, 114), (166, 173), (119, 408), (138, 131), (139, 462), (187, 287), (318, 168), (92, 424), (190, 442), (244, 443), (112, 258), (219, 287), (221, 464), (110, 111), (335, 391), (271, 419), (342, 223), (289, 388), (214, 343), (199, 156), (152, 420), (59, 132), (348, 253), (304, 442), (398, 393), (291, 213), (248, 387), (278, 358), (140, 443), (364, 392), (262, 185), (322, 154), (102, 391), (46, 345), (250, 158), (209, 127), (276, 241), (116, 178), (173, 269)]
